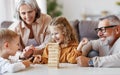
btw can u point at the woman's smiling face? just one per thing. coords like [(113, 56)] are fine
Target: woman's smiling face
[(27, 14)]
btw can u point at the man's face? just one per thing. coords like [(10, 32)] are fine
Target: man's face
[(106, 32)]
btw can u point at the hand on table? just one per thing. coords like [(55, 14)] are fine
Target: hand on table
[(83, 61), (35, 59)]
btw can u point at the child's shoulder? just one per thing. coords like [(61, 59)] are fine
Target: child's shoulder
[(73, 44), (3, 61)]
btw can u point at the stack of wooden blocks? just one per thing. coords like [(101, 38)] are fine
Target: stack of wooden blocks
[(53, 55)]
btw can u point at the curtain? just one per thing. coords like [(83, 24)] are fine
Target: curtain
[(7, 8), (42, 4)]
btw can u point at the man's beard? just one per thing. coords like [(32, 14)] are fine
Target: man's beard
[(109, 40)]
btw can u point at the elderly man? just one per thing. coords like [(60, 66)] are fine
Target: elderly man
[(108, 45)]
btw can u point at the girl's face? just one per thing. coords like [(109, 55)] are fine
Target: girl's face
[(57, 34), (13, 46), (27, 14)]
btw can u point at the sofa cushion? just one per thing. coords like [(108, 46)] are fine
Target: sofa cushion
[(6, 24), (74, 24), (86, 29)]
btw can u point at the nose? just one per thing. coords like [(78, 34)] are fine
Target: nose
[(27, 15), (53, 36), (18, 47)]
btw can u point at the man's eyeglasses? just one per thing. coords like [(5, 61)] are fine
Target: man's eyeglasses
[(103, 29)]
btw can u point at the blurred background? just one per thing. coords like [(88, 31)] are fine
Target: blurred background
[(71, 9)]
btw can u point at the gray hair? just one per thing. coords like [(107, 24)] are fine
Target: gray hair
[(113, 20), (32, 3)]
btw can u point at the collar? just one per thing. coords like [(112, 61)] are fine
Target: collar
[(23, 25)]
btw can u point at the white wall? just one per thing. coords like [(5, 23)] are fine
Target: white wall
[(3, 11), (42, 5), (7, 8), (73, 9)]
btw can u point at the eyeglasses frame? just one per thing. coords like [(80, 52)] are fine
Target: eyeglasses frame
[(103, 29)]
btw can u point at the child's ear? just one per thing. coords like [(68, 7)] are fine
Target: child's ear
[(5, 44)]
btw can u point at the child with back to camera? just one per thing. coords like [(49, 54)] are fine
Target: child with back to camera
[(9, 44), (62, 33)]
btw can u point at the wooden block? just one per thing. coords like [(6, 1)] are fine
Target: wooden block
[(53, 55)]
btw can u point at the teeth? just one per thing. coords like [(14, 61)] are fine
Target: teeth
[(102, 39)]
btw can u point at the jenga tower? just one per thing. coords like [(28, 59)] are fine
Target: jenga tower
[(53, 55)]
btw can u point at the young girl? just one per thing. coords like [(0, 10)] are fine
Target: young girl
[(63, 34), (9, 44)]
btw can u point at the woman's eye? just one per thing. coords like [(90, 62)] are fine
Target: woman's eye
[(23, 13)]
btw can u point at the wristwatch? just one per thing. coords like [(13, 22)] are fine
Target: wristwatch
[(90, 63)]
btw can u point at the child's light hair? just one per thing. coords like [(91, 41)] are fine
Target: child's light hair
[(6, 35), (63, 24)]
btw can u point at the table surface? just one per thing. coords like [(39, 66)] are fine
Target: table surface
[(66, 69)]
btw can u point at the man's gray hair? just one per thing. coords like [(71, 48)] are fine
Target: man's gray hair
[(113, 20)]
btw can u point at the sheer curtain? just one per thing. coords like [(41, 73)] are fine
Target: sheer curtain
[(7, 8), (42, 4)]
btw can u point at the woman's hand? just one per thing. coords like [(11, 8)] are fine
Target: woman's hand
[(27, 52)]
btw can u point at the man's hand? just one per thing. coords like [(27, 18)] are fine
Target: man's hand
[(83, 61)]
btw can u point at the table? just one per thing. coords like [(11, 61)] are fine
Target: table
[(66, 69)]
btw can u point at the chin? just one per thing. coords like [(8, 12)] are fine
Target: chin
[(102, 39)]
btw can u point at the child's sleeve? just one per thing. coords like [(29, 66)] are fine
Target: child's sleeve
[(72, 55), (44, 59), (7, 66)]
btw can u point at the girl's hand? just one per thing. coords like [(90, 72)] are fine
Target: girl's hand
[(26, 63), (37, 59), (83, 42)]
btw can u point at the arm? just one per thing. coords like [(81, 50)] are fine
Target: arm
[(41, 59), (91, 45), (71, 57), (112, 59), (82, 43), (6, 66), (107, 61), (47, 36)]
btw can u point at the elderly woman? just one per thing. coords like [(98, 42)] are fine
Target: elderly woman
[(32, 26)]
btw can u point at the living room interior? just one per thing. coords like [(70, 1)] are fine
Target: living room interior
[(83, 16), (78, 9)]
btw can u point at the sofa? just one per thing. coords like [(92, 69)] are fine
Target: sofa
[(6, 24), (82, 28), (85, 28)]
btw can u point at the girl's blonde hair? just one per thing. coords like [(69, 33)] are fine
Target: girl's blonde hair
[(6, 35), (63, 24)]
